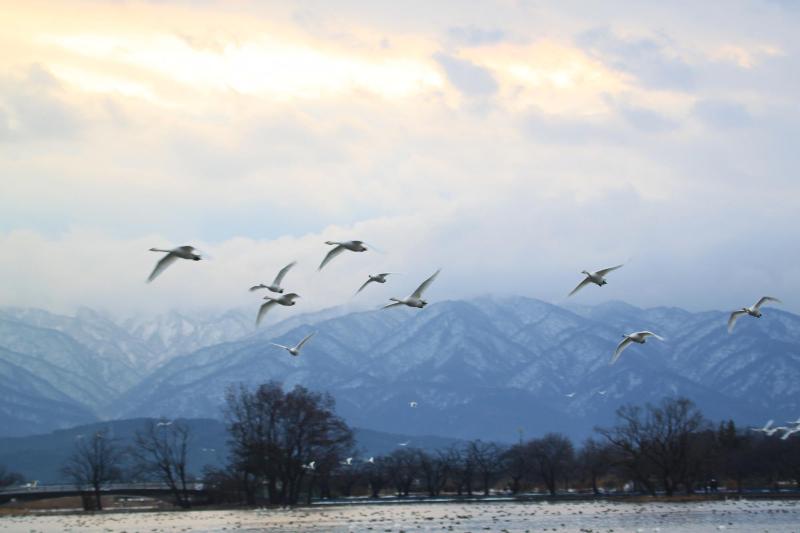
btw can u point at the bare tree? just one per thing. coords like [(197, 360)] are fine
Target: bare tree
[(401, 468), (517, 466), (552, 457), (657, 442), (94, 463), (594, 461), (435, 469), (487, 458), (161, 451), (275, 436)]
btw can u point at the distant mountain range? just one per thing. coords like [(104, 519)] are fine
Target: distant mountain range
[(487, 368)]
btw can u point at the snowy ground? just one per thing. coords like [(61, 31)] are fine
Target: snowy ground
[(596, 517)]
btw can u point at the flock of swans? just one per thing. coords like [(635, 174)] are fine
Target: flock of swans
[(415, 299)]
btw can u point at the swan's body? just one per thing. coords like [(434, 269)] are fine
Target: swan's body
[(310, 466), (275, 286), (347, 462), (295, 350), (339, 247), (570, 395), (371, 460), (640, 337), (377, 278), (181, 252), (412, 404), (598, 278), (415, 299), (406, 443), (286, 299), (754, 311), (764, 429)]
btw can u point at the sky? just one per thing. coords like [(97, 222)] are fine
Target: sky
[(512, 143)]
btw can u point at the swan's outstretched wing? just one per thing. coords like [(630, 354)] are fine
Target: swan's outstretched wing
[(395, 304), (257, 287), (305, 339), (424, 285), (266, 306), (607, 270), (581, 285), (162, 264), (361, 288), (279, 345), (620, 347), (765, 299), (282, 273), (651, 334), (733, 318), (330, 255)]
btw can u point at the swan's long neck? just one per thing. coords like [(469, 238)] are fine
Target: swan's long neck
[(332, 242), (159, 250)]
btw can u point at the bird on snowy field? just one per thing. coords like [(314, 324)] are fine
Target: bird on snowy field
[(275, 286), (339, 247), (640, 337), (295, 350), (377, 278), (753, 310), (286, 299), (598, 278), (415, 299), (181, 252)]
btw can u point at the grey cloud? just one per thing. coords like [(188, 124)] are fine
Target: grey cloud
[(644, 119), (474, 36), (32, 108), (467, 77), (644, 58), (722, 113)]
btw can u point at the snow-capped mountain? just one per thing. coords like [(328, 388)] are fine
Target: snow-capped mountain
[(483, 368)]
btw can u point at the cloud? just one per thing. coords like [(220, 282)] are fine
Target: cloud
[(475, 36), (649, 60), (722, 113), (467, 77)]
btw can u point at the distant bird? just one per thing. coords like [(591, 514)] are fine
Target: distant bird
[(339, 247), (377, 278), (794, 422), (164, 423), (286, 299), (310, 466), (182, 252), (640, 337), (371, 460), (771, 431), (276, 283), (570, 395), (790, 432), (412, 404), (406, 443), (415, 299), (207, 450), (764, 429), (295, 350), (598, 278), (347, 462), (602, 392), (753, 310)]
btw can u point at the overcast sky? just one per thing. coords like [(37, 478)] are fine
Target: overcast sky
[(512, 143)]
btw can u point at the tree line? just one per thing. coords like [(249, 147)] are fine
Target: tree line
[(287, 447)]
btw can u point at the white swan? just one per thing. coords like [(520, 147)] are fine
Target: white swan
[(286, 299), (754, 310), (181, 252), (415, 299), (310, 466), (764, 429), (598, 278), (339, 247), (276, 283), (377, 278), (295, 350), (640, 337)]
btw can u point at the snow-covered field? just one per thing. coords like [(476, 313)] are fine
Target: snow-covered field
[(734, 515)]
